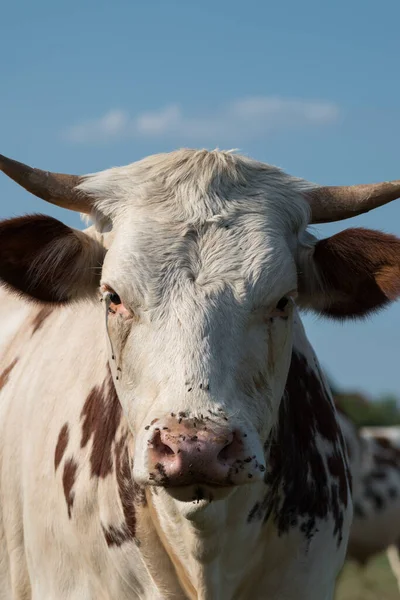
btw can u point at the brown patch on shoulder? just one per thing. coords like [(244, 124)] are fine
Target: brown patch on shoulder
[(302, 488), (337, 469), (69, 476), (40, 318), (61, 446), (130, 494), (127, 489), (339, 491), (115, 536), (101, 416), (5, 375)]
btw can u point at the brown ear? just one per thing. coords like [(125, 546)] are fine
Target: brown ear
[(44, 259), (353, 273)]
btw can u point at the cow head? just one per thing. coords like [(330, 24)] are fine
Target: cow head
[(200, 259)]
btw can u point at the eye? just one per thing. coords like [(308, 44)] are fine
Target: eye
[(114, 298), (282, 308), (114, 303), (282, 304)]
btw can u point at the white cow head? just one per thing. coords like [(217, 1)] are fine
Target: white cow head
[(200, 258)]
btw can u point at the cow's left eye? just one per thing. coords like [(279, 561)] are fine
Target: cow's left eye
[(281, 309), (114, 298), (282, 304)]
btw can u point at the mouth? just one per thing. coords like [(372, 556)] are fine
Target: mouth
[(199, 503), (199, 496)]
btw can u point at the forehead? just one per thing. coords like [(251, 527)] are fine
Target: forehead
[(210, 215), (196, 185)]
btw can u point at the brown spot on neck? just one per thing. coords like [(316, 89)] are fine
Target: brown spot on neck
[(61, 446), (115, 536), (69, 476), (301, 488), (5, 375), (129, 491), (101, 416), (40, 317), (130, 494)]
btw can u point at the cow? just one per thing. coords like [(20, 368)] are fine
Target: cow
[(386, 441), (165, 427), (374, 462)]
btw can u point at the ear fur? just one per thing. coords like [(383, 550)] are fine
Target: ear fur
[(350, 274), (47, 261)]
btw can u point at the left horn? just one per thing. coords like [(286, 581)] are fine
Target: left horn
[(336, 203), (57, 188)]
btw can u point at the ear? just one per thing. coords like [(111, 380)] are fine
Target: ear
[(350, 274), (45, 260)]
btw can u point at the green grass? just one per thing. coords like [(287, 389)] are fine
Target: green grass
[(375, 582)]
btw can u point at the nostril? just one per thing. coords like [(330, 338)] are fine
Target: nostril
[(225, 453), (160, 446), (232, 448), (166, 450)]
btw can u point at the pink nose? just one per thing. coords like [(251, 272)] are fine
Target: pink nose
[(182, 455)]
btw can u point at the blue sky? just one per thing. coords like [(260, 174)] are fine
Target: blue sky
[(309, 86)]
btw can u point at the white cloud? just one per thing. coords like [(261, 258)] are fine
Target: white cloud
[(273, 109), (159, 122), (246, 118), (112, 124)]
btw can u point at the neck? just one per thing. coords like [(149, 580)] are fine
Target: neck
[(208, 545)]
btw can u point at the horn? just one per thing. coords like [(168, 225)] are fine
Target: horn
[(335, 203), (57, 188)]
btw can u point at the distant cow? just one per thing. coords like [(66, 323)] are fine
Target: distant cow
[(165, 430), (374, 459)]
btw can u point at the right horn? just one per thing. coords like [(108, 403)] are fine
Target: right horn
[(57, 188), (335, 203)]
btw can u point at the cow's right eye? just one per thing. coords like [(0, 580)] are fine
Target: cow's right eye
[(114, 303), (113, 300)]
